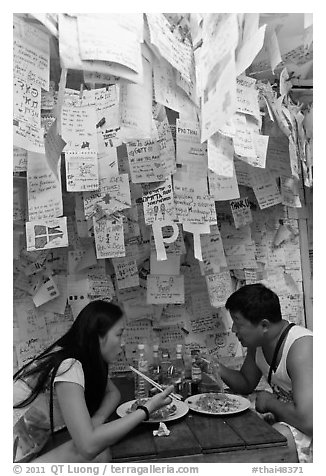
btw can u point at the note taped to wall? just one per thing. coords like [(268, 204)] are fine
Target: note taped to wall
[(46, 234), (165, 289), (109, 237), (219, 288), (241, 211)]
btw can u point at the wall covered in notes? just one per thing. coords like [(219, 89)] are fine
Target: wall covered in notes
[(152, 169)]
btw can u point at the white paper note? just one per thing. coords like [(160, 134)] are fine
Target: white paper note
[(165, 289), (81, 170), (46, 234)]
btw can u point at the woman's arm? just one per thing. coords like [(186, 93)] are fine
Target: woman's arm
[(109, 404), (90, 440), (299, 366)]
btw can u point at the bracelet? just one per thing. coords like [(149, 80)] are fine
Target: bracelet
[(145, 409)]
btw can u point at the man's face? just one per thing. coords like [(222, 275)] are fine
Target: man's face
[(249, 335)]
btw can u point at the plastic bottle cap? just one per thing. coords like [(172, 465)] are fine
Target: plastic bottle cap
[(141, 346)]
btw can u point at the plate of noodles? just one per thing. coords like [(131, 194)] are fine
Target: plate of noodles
[(170, 412), (217, 403)]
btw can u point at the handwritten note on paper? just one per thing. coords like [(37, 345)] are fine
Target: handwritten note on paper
[(243, 141), (220, 155), (31, 53), (165, 289), (278, 158), (46, 292), (265, 188), (81, 170), (20, 159), (223, 188), (192, 205), (219, 100), (58, 304), (113, 195), (249, 50), (108, 163), (43, 188), (27, 102), (241, 211), (212, 251), (31, 322), (219, 287), (272, 47), (166, 90), (166, 144), (109, 238), (177, 53), (107, 106), (220, 36), (190, 152), (46, 234), (126, 272), (145, 161), (176, 247), (103, 38), (290, 192), (247, 96), (136, 106), (158, 202), (78, 127)]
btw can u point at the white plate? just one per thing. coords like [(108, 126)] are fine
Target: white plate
[(182, 409), (242, 403)]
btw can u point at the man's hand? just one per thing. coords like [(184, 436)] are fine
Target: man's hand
[(263, 400)]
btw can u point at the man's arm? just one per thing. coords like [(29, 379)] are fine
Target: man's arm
[(299, 366), (246, 379)]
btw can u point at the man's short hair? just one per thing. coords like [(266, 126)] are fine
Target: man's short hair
[(255, 302)]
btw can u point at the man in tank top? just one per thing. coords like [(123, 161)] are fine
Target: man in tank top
[(280, 351)]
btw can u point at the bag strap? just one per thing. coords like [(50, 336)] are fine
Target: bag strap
[(272, 367)]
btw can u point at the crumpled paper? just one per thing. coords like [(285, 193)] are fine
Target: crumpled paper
[(162, 430)]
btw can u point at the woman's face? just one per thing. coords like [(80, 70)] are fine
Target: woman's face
[(110, 343)]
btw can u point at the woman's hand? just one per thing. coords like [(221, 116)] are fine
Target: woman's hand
[(160, 399)]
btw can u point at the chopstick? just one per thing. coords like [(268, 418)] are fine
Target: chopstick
[(152, 382)]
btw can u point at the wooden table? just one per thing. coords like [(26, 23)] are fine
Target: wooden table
[(240, 438)]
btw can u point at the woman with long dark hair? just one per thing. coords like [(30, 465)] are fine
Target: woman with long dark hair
[(68, 385)]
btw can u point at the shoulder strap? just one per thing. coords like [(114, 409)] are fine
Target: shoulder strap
[(272, 367)]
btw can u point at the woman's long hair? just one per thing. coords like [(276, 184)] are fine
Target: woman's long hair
[(81, 342)]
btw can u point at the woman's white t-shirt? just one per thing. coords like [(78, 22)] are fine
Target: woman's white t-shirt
[(32, 423)]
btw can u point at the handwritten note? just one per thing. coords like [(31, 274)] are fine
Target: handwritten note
[(212, 251), (278, 158), (247, 96), (220, 36), (81, 170), (145, 161), (290, 192), (113, 195), (219, 101), (223, 188), (190, 152), (126, 272), (241, 211), (78, 127), (109, 238), (46, 234), (27, 102), (54, 145), (243, 141), (43, 188), (265, 188), (136, 106), (20, 159), (31, 53), (107, 38), (166, 145), (220, 155), (249, 50), (158, 202), (46, 292), (177, 53), (219, 287), (165, 289), (192, 204)]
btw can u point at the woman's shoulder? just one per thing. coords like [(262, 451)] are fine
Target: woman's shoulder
[(70, 370)]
